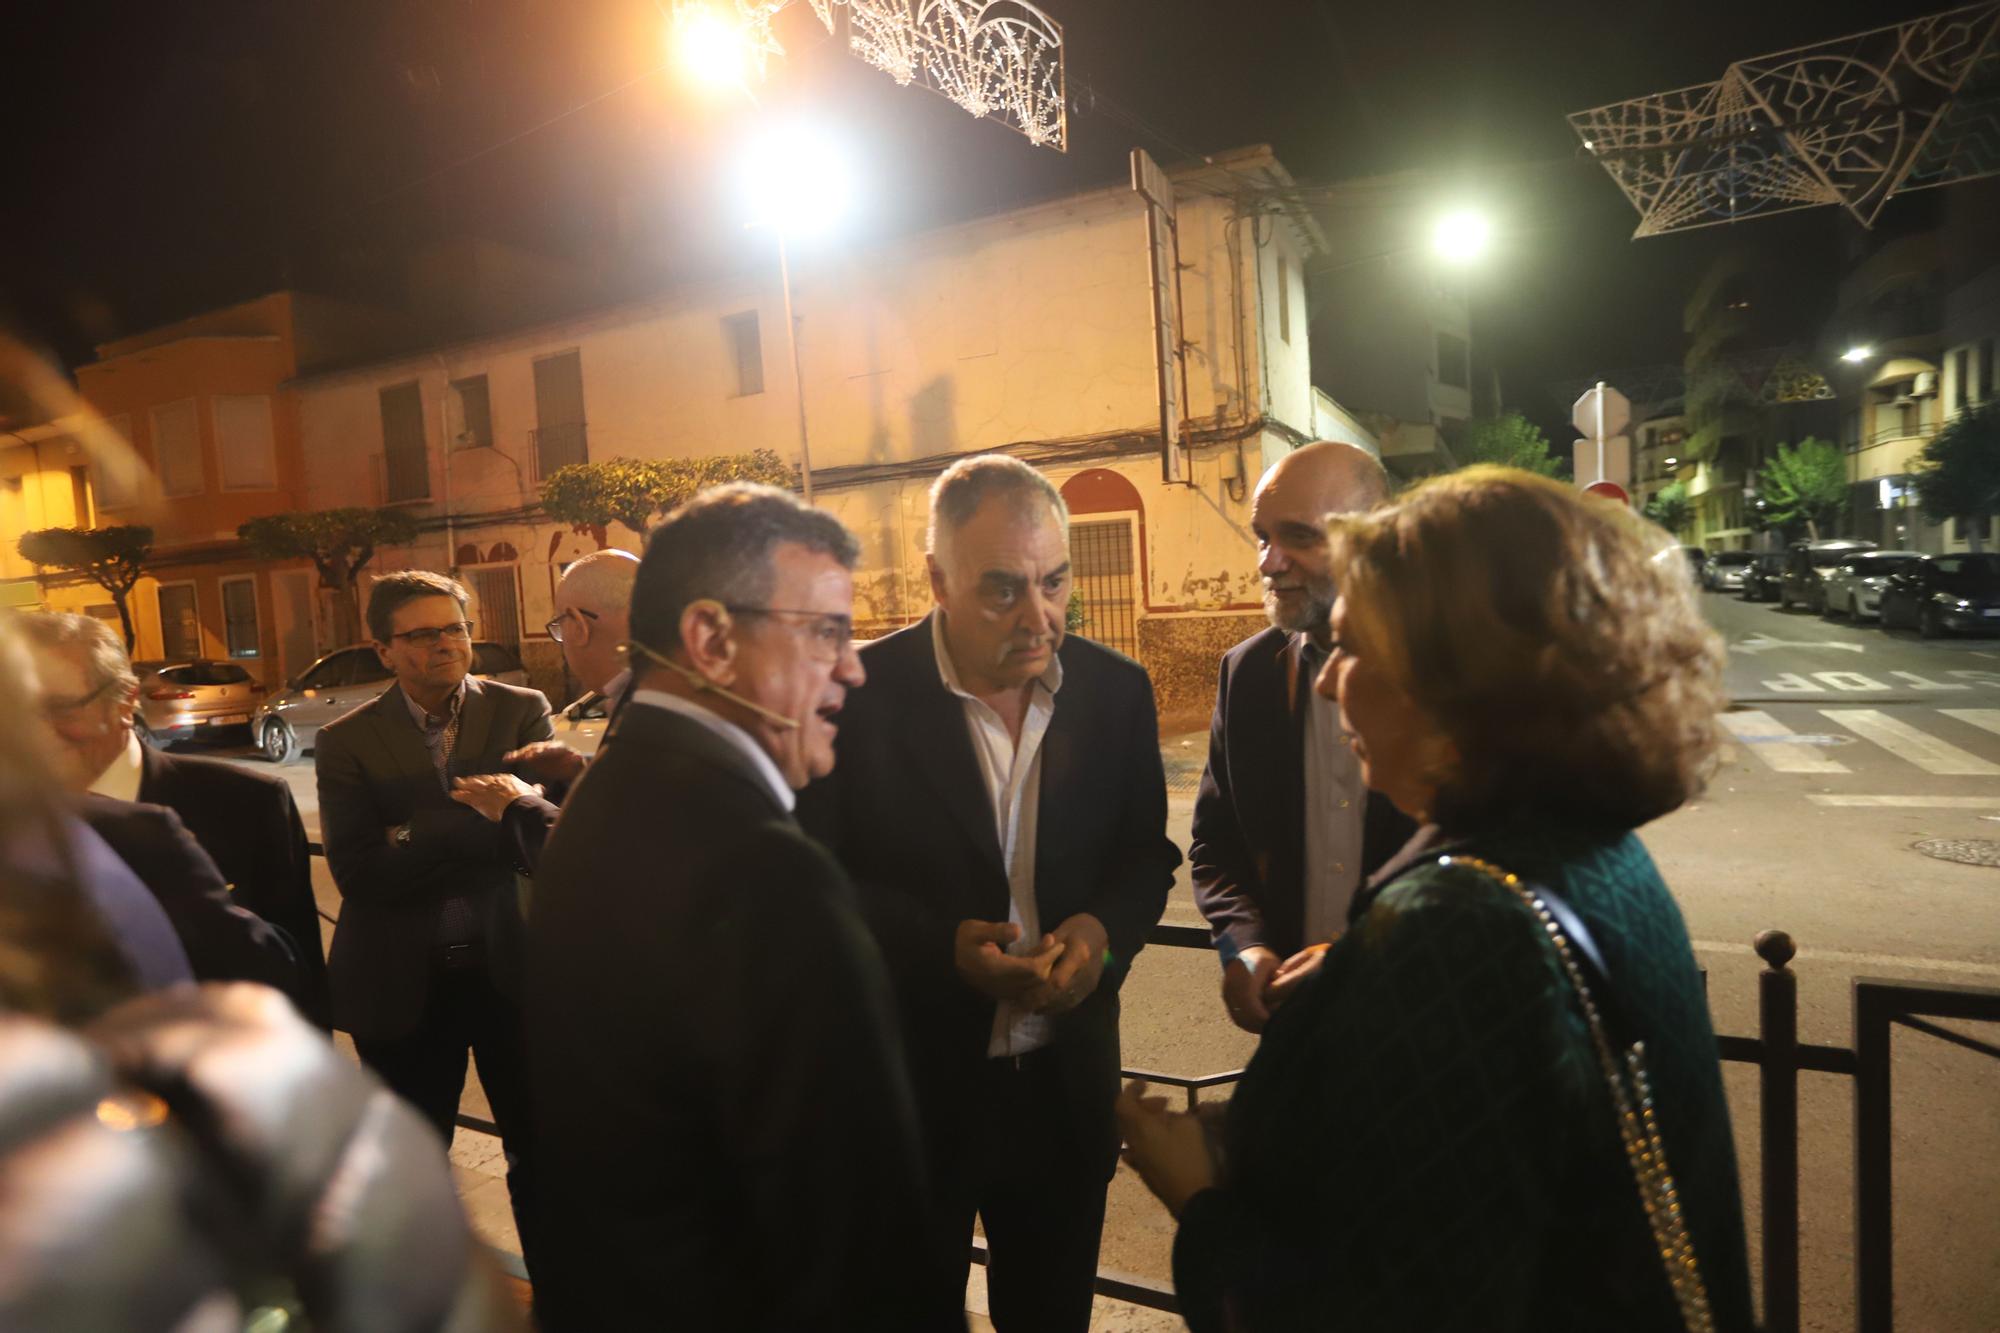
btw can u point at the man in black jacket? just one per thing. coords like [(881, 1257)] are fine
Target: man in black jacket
[(1001, 805), (246, 823), (425, 963), (723, 1118), (1284, 829)]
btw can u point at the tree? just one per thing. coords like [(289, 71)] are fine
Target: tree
[(114, 557), (1671, 508), (339, 542), (1805, 483), (1511, 441), (590, 497), (1958, 473)]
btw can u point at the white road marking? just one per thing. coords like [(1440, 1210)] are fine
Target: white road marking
[(1906, 742), (1863, 959), (1986, 719), (1761, 643), (1777, 744), (1792, 683), (1852, 681), (1906, 802), (1926, 683)]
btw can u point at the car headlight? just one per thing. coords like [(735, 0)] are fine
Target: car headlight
[(1961, 605)]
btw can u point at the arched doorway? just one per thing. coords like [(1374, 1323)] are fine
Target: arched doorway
[(1106, 544)]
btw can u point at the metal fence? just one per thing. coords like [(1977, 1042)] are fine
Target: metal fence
[(1879, 1006)]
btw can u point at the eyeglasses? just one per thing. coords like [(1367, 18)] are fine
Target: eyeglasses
[(830, 634), (555, 627), (458, 632), (59, 710)]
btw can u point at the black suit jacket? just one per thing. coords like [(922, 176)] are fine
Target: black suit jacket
[(223, 942), (249, 823), (375, 774), (906, 812), (724, 1129), (1248, 848)]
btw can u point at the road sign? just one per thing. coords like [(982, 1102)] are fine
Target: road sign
[(1610, 490), (1601, 413), (1607, 460)]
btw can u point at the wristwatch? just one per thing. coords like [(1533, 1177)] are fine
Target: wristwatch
[(400, 835)]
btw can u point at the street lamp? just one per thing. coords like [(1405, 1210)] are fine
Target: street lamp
[(798, 183), (709, 48), (1461, 237), (1855, 355)]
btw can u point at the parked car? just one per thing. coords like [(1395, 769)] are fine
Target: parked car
[(1806, 566), (1762, 576), (581, 725), (1725, 569), (181, 700), (1854, 586), (344, 679), (1938, 594)]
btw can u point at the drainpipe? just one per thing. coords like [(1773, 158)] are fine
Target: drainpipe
[(444, 442)]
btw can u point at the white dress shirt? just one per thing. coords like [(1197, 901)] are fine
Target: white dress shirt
[(1335, 802), (120, 779), (745, 743), (1012, 773)]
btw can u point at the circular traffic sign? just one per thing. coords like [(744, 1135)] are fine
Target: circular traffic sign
[(1610, 490)]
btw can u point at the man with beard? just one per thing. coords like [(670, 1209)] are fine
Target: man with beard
[(1284, 831)]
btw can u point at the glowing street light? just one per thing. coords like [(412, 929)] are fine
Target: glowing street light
[(710, 48), (1854, 356), (1461, 237)]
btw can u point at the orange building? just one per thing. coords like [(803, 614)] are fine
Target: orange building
[(214, 433)]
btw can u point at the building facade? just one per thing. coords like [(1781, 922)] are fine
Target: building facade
[(1031, 332)]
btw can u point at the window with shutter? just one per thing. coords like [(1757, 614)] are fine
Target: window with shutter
[(177, 448), (243, 442)]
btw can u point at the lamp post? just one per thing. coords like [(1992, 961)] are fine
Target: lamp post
[(798, 183)]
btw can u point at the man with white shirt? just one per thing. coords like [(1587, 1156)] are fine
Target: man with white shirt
[(1001, 806), (1284, 830), (721, 1102)]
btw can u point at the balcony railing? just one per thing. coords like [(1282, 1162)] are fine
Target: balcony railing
[(559, 445), (1922, 430)]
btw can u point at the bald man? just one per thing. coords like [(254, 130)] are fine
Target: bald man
[(1284, 831), (593, 621)]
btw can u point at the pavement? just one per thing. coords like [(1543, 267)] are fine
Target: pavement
[(1848, 746)]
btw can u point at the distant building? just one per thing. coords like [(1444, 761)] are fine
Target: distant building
[(214, 440), (1659, 455), (1029, 332)]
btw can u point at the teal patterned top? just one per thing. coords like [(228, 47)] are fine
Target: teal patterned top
[(1424, 1140)]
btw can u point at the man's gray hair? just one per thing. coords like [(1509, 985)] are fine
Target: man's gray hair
[(100, 643), (718, 546), (393, 591), (957, 495), (602, 580)]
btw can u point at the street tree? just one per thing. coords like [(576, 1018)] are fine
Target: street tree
[(114, 557), (339, 542), (1958, 473), (637, 492), (1805, 483), (1671, 507), (1510, 441)]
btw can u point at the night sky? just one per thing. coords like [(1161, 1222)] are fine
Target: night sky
[(171, 157)]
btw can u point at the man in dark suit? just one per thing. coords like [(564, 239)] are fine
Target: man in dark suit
[(1001, 805), (425, 963), (724, 1123), (1284, 829)]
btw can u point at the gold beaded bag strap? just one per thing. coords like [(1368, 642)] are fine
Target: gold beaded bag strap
[(1624, 1067)]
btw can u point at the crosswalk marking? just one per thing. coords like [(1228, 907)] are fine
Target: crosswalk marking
[(1906, 742), (1905, 802), (1986, 719), (1765, 736)]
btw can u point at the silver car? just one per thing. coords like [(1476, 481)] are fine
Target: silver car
[(1854, 586), (286, 723), (179, 701), (1724, 571)]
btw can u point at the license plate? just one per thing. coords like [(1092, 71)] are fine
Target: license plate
[(229, 720)]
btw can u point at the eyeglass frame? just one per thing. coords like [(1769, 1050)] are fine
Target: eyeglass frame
[(844, 625), (458, 631), (554, 628)]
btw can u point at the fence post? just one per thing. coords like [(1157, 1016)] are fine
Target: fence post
[(1874, 1181), (1778, 1104)]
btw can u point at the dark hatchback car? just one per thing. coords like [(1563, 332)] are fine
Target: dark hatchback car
[(1763, 575), (1807, 566), (1942, 594)]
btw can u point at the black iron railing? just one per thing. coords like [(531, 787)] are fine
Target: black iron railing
[(1879, 1005)]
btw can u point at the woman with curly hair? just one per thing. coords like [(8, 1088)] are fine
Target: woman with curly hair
[(1441, 1129)]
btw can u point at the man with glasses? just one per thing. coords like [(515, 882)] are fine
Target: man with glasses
[(425, 963), (592, 622), (724, 1122)]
